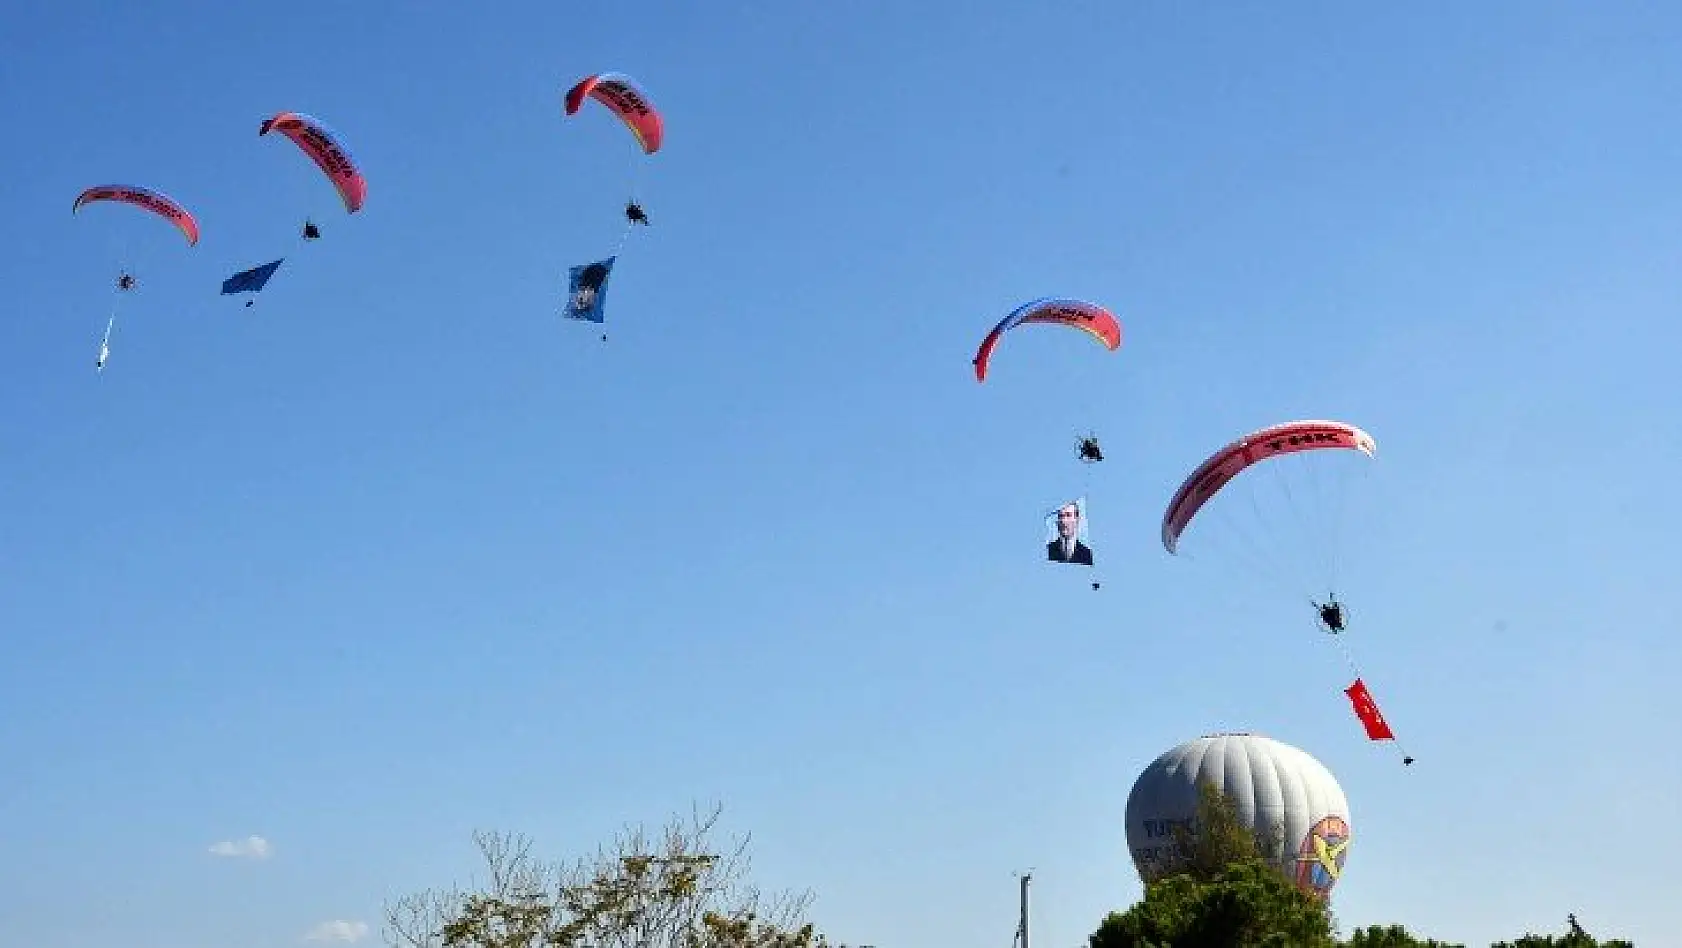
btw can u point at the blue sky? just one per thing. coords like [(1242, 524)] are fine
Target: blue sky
[(397, 553)]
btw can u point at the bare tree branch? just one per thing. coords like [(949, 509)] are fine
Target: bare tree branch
[(675, 891)]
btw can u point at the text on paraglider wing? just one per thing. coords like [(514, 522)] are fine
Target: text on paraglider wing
[(624, 99), (1213, 481), (331, 156), (141, 198), (1309, 437)]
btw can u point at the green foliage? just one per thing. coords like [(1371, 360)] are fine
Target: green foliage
[(1220, 887), (1393, 936), (1574, 937), (1249, 904), (677, 893), (1217, 839)]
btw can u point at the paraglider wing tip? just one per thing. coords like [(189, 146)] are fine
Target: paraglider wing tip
[(356, 194), (984, 355), (575, 96)]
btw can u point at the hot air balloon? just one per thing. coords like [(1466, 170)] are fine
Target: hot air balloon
[(1290, 797)]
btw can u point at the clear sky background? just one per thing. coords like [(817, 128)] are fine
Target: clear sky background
[(397, 553)]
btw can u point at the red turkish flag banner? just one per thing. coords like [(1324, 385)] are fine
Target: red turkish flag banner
[(1367, 710)]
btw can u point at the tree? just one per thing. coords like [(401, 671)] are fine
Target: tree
[(1248, 905), (676, 892), (1217, 839), (1392, 936), (1574, 937), (1221, 884), (1219, 888)]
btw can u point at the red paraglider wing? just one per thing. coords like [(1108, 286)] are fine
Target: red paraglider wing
[(1090, 318), (1253, 448), (621, 95), (326, 150), (147, 199)]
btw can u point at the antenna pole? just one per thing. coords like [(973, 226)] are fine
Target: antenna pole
[(1022, 926)]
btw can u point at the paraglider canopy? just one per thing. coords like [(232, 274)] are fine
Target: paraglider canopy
[(1090, 318), (622, 96), (324, 148), (146, 199), (1258, 446)]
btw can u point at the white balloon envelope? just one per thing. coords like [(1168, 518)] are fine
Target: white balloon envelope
[(1278, 790)]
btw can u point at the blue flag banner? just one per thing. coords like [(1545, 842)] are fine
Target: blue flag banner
[(250, 281), (587, 291)]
